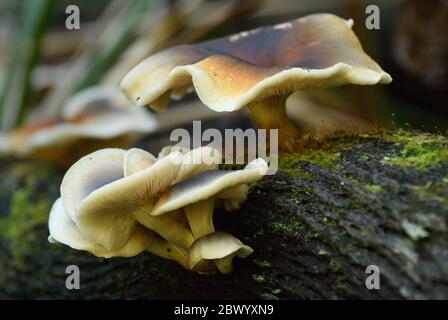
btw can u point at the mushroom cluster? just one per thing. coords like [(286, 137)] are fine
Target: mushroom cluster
[(94, 118), (259, 68), (118, 203)]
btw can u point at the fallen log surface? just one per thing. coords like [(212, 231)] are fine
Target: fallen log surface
[(332, 210)]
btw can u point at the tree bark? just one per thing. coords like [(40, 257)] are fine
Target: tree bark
[(333, 209)]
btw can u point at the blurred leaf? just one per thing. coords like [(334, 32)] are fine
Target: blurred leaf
[(16, 91), (119, 38), (112, 31)]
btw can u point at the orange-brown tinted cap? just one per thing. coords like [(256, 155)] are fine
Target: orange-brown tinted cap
[(228, 73)]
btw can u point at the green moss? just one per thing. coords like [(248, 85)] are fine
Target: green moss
[(26, 214), (415, 232), (268, 296), (372, 188), (28, 208), (420, 150), (276, 291), (262, 264), (419, 156), (318, 151), (418, 138), (431, 190), (279, 226), (258, 278), (335, 267), (323, 158), (320, 155)]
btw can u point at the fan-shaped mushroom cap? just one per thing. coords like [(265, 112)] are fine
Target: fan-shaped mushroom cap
[(99, 113), (94, 100), (220, 247), (93, 118), (208, 184), (64, 230), (103, 203), (319, 50), (193, 161), (198, 160)]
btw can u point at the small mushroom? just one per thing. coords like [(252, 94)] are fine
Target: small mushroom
[(258, 68), (221, 248), (197, 195), (106, 205), (64, 230), (94, 118)]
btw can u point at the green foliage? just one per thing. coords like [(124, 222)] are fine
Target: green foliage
[(16, 91), (107, 52)]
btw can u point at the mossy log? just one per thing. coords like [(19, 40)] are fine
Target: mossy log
[(333, 209)]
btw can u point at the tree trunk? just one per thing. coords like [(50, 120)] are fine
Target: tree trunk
[(332, 210)]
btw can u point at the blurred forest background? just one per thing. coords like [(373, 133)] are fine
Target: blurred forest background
[(42, 64)]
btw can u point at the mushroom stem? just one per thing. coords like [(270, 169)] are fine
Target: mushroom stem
[(225, 264), (200, 217), (167, 226), (270, 113), (162, 248)]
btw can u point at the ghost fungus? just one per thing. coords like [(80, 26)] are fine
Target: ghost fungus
[(106, 205), (119, 203), (92, 119), (196, 196), (260, 69), (63, 230), (221, 248)]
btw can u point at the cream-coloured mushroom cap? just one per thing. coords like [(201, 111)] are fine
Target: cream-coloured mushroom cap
[(94, 100), (168, 149), (315, 51), (102, 202), (99, 113), (136, 160), (64, 230), (193, 161), (218, 246), (209, 184)]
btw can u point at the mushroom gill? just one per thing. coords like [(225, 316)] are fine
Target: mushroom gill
[(119, 203)]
